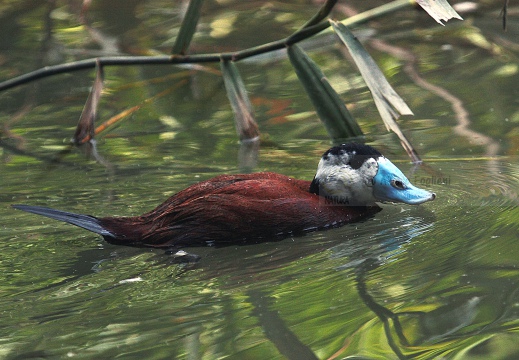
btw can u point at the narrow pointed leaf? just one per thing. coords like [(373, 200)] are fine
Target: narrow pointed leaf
[(439, 10), (389, 104), (371, 73), (188, 27), (85, 127), (504, 13), (246, 126), (248, 155), (338, 121)]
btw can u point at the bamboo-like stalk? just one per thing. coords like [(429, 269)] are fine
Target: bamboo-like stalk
[(201, 58), (321, 14), (188, 27)]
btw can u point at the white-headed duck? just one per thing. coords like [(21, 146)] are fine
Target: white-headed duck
[(232, 209)]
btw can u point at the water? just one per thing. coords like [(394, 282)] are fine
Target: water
[(433, 281)]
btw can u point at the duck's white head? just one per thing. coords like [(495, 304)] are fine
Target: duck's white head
[(359, 175)]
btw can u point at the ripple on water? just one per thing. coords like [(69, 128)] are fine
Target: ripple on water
[(470, 183), (457, 271)]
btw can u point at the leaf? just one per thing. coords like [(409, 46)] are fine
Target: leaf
[(248, 155), (85, 127), (504, 13), (388, 102), (246, 126), (439, 10), (338, 121), (188, 27)]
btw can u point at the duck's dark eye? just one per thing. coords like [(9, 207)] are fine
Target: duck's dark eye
[(398, 184)]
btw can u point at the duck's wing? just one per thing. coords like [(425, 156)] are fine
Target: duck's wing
[(263, 185)]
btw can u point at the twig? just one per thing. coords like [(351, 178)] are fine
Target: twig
[(322, 14)]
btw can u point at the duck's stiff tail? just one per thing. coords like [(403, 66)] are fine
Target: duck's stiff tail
[(83, 221)]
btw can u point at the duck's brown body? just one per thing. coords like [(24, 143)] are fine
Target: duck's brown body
[(224, 210), (233, 209)]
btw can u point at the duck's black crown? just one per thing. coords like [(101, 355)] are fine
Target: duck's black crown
[(359, 153)]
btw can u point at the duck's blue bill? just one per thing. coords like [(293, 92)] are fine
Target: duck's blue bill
[(390, 184)]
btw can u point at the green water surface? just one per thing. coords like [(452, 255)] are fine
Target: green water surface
[(440, 280)]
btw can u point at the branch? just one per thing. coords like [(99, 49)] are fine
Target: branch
[(298, 36), (322, 14)]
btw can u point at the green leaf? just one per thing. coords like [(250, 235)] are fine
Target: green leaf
[(188, 27), (85, 127), (389, 104), (246, 126), (439, 10), (338, 121)]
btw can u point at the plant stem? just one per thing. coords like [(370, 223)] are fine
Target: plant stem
[(322, 14), (299, 35)]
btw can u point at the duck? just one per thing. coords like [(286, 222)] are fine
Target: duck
[(248, 208)]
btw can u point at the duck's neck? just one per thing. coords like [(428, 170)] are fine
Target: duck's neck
[(340, 181), (314, 187), (328, 199)]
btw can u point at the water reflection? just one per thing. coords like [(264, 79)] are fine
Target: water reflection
[(387, 245), (412, 281), (276, 329), (445, 318), (388, 242), (364, 252)]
